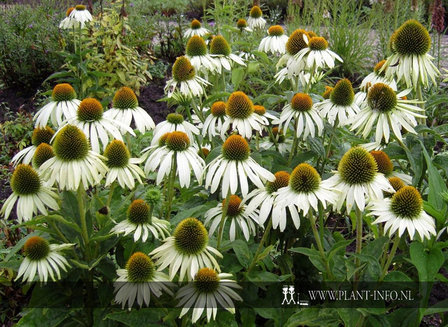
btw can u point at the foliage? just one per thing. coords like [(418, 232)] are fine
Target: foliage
[(29, 42)]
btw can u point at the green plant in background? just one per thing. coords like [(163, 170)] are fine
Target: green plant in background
[(101, 60), (111, 54), (29, 42)]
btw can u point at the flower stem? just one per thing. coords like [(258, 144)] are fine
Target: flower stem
[(271, 135), (319, 243), (391, 256), (294, 143), (330, 141), (171, 180), (358, 238), (260, 246), (111, 193), (223, 218), (82, 216)]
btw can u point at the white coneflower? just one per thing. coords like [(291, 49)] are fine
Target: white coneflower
[(266, 199), (43, 152), (125, 109), (275, 42), (73, 165), (305, 191), (186, 251), (256, 20), (261, 111), (138, 281), (67, 22), (293, 67), (241, 24), (389, 111), (307, 119), (236, 214), (241, 116), (358, 180), (141, 223), (40, 135), (98, 128), (62, 106), (222, 54), (233, 166), (208, 291), (81, 15), (196, 52), (122, 167), (377, 76), (214, 121), (174, 122), (178, 152), (196, 29), (42, 259), (32, 196), (410, 61), (277, 139), (185, 80), (386, 167), (316, 55), (404, 211), (340, 107)]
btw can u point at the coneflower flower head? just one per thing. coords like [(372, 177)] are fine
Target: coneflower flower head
[(412, 38), (220, 46), (281, 180), (384, 164), (196, 46), (125, 98), (342, 93), (255, 12), (304, 179), (235, 148), (296, 42), (357, 166), (239, 105), (117, 154), (63, 92), (218, 109), (43, 152), (140, 268), (70, 144), (183, 70), (327, 92), (276, 30), (25, 180)]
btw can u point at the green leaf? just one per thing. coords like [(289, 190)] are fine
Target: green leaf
[(38, 317), (242, 252), (237, 76), (397, 276), (139, 318), (439, 307), (436, 185), (314, 317), (427, 263)]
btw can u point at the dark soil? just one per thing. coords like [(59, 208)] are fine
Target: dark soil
[(148, 100), (16, 100)]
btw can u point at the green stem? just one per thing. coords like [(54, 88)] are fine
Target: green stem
[(171, 180), (260, 246), (81, 89), (223, 218), (319, 243), (321, 222), (294, 143), (330, 141), (82, 216), (391, 256), (111, 193), (273, 138), (358, 238)]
